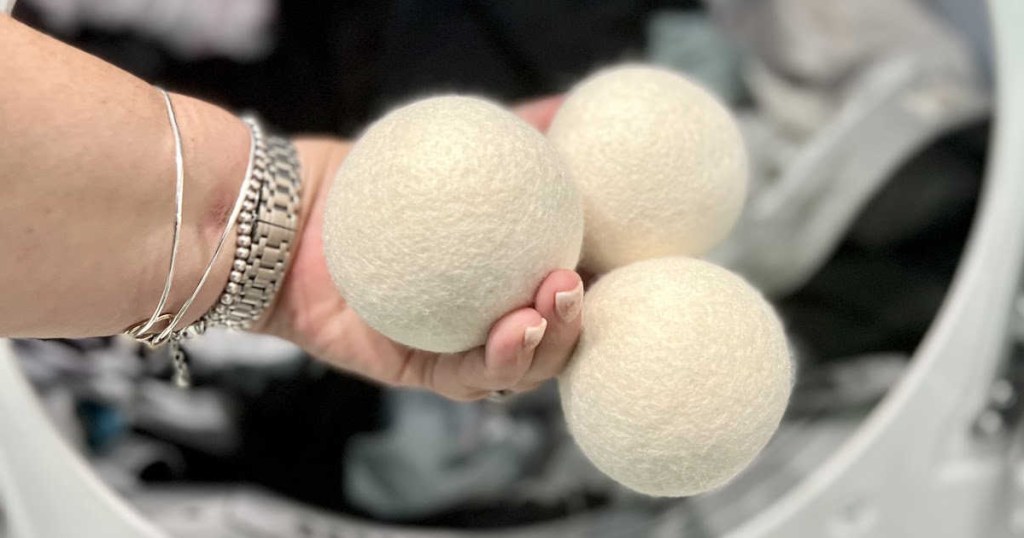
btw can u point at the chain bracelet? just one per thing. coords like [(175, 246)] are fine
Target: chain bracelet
[(182, 376)]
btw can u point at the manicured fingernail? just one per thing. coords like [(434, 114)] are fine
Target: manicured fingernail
[(533, 335), (568, 304)]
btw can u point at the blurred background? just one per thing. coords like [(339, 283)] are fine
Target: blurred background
[(868, 125)]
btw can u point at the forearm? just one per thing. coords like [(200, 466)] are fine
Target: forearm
[(87, 166)]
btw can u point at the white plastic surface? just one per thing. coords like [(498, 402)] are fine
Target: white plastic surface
[(47, 489), (915, 468)]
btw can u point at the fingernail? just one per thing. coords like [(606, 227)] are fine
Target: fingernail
[(568, 304), (533, 335)]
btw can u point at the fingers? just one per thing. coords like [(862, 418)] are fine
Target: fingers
[(499, 365), (524, 348), (540, 112), (560, 301)]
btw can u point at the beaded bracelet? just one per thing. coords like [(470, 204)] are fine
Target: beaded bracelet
[(266, 233)]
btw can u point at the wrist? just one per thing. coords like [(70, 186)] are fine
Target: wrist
[(215, 147)]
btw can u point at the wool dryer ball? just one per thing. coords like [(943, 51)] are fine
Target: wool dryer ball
[(446, 215), (659, 160), (681, 376)]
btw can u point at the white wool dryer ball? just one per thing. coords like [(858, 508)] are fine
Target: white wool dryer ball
[(447, 214), (680, 377), (659, 160)]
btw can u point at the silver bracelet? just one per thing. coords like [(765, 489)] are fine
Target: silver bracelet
[(266, 213), (240, 202), (266, 233), (179, 183)]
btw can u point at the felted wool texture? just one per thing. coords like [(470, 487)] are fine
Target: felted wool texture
[(447, 214), (659, 160), (680, 377)]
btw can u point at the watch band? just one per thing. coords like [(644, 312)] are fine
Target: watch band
[(266, 233)]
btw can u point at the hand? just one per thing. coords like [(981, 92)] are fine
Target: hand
[(310, 312)]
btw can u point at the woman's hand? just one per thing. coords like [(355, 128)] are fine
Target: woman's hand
[(525, 348)]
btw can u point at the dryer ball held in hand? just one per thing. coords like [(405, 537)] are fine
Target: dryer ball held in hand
[(446, 215), (680, 377), (660, 163)]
